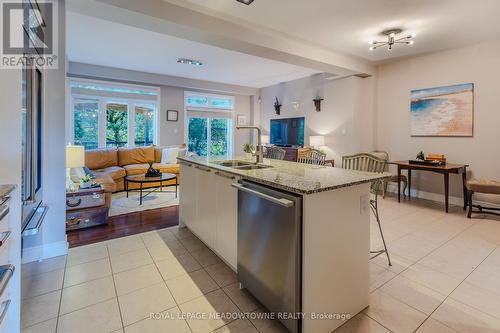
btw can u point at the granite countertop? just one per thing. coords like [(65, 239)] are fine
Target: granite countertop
[(294, 177), (5, 190)]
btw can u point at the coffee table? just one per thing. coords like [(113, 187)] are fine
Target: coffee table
[(142, 179)]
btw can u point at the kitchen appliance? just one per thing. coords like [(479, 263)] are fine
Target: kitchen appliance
[(287, 132), (270, 249)]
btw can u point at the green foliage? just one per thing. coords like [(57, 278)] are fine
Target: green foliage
[(116, 125), (197, 141), (144, 126), (86, 178), (219, 136), (86, 124)]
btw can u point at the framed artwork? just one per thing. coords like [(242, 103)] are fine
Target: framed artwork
[(172, 115), (241, 120), (443, 111)]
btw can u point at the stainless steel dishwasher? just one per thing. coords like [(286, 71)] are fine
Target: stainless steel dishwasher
[(269, 249)]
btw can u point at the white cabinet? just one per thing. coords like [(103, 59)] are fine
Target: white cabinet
[(209, 208), (206, 210), (187, 194), (226, 236)]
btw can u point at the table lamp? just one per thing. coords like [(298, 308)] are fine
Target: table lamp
[(75, 159), (317, 141)]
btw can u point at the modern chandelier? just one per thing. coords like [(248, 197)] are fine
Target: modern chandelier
[(392, 40)]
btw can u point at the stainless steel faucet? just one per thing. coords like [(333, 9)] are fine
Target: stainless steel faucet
[(259, 151)]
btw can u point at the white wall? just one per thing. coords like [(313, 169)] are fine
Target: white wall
[(346, 118), (51, 241), (479, 64)]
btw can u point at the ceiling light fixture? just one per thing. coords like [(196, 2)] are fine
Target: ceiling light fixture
[(189, 62), (392, 40), (246, 2)]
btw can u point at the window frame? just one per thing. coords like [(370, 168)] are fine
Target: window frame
[(210, 97), (103, 100)]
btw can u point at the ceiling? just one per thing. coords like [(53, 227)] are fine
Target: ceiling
[(100, 42), (348, 26)]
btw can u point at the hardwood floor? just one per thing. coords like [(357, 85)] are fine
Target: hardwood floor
[(125, 225)]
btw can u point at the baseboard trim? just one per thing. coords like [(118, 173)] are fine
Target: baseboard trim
[(45, 251), (438, 197)]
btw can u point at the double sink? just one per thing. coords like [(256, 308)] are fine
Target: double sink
[(241, 165)]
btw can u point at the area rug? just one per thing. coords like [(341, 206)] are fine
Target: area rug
[(120, 204)]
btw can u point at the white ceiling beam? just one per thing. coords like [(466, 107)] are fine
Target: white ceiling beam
[(167, 18)]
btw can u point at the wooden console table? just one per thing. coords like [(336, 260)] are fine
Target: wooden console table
[(445, 170)]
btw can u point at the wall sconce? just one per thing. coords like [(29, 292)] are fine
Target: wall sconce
[(317, 103), (277, 106)]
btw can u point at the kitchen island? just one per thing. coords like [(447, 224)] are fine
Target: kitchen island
[(296, 234)]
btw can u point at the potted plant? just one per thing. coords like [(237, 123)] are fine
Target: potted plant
[(86, 181), (248, 148)]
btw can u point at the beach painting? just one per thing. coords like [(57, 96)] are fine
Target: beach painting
[(443, 111)]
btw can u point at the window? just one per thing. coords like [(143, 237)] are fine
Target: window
[(195, 100), (110, 115), (209, 124), (86, 123)]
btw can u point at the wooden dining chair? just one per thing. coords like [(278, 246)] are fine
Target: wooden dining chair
[(311, 156), (370, 163), (394, 179), (275, 153)]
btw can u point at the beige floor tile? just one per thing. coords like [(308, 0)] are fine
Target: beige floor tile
[(379, 276), (486, 279), (265, 325), (238, 326), (39, 284), (141, 303), (451, 266), (181, 233), (434, 326), (413, 294), (478, 298), (48, 326), (82, 254), (123, 245), (88, 293), (43, 266), (102, 317), (189, 286), (222, 274), (165, 251), (206, 257), (136, 278), (177, 266), (465, 319), (411, 247), (86, 272), (393, 314), (192, 243), (171, 321), (399, 264), (440, 282), (241, 297), (213, 306), (361, 323), (130, 260), (167, 235), (40, 308)]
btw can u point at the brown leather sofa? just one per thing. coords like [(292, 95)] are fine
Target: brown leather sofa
[(110, 166)]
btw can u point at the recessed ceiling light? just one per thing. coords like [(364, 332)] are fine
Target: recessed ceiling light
[(189, 62), (246, 2)]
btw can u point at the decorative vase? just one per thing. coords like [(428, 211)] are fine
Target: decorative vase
[(248, 156)]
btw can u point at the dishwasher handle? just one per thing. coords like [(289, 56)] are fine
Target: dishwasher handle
[(279, 201)]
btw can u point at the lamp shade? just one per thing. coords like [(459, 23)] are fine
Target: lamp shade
[(264, 139), (317, 140), (75, 156)]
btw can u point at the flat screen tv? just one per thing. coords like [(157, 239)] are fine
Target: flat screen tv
[(287, 132)]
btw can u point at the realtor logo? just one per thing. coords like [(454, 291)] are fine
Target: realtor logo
[(28, 34)]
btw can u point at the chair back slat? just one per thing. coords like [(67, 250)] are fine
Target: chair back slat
[(312, 156), (275, 153), (364, 162)]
